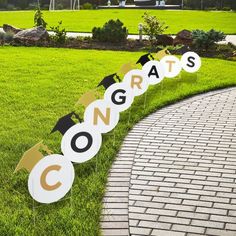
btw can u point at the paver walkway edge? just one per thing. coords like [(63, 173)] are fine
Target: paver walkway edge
[(135, 205)]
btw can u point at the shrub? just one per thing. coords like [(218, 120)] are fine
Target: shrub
[(153, 27), (87, 6), (38, 19), (204, 40), (112, 31), (59, 35)]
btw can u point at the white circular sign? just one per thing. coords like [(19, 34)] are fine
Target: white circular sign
[(154, 71), (101, 116), (171, 65), (191, 62), (119, 96), (136, 81), (81, 142), (51, 179)]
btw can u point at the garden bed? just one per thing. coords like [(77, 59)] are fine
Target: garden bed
[(224, 51)]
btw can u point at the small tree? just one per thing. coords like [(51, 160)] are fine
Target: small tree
[(59, 35), (153, 27), (38, 19)]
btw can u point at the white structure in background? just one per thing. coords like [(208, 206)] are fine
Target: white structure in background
[(122, 3), (74, 5), (160, 3)]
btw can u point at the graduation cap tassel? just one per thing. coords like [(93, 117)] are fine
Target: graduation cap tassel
[(151, 56), (77, 117), (118, 77)]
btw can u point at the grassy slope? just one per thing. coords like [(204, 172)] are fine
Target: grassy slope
[(38, 86), (84, 21)]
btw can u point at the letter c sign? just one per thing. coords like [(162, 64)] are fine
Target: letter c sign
[(51, 178)]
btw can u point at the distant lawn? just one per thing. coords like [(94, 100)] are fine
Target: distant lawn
[(37, 86), (85, 20)]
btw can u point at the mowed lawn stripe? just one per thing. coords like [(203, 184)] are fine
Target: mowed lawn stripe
[(38, 85), (85, 20)]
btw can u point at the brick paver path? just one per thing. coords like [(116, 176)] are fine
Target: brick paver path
[(176, 172)]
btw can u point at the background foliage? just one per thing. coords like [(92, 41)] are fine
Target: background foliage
[(65, 4)]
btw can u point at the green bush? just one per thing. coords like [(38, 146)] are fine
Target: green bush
[(112, 31), (204, 40), (87, 6), (153, 27), (59, 35)]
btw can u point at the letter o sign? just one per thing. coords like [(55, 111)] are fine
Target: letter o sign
[(81, 143)]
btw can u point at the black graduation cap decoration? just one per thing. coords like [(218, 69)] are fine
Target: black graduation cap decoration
[(65, 122), (109, 80), (144, 59)]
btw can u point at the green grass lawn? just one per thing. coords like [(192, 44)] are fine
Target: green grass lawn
[(85, 20), (38, 85)]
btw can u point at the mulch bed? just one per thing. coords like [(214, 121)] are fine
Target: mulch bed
[(218, 51)]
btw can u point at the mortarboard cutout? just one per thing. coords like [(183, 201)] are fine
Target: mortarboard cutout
[(65, 122), (144, 59), (32, 156), (87, 98), (109, 80), (126, 68), (159, 55)]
